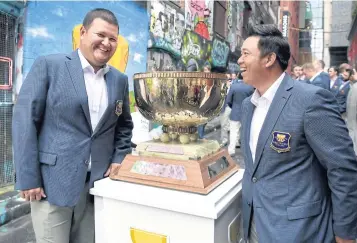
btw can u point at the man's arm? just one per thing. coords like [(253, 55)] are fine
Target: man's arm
[(327, 135), (26, 125), (123, 130)]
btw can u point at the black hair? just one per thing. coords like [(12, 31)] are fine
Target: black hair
[(271, 40), (335, 69), (100, 13)]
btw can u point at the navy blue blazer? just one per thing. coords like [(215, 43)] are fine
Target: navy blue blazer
[(336, 86), (237, 93), (302, 184), (52, 133), (341, 96), (322, 80)]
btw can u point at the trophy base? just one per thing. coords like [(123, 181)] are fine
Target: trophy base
[(198, 176), (175, 150)]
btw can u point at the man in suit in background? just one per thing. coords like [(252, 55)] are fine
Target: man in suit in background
[(238, 92), (314, 77), (319, 66), (71, 127), (300, 177)]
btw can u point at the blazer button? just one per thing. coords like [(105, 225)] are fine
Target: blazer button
[(248, 204), (86, 162), (254, 179)]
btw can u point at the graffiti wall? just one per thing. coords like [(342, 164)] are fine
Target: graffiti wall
[(199, 17), (53, 27), (183, 39), (166, 28)]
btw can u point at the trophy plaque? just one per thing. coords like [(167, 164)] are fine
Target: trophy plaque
[(180, 101)]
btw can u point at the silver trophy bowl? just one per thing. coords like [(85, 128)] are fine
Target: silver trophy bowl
[(180, 101)]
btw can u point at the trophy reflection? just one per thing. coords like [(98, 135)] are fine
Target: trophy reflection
[(180, 101)]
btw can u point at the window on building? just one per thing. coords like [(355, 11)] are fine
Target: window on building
[(219, 20)]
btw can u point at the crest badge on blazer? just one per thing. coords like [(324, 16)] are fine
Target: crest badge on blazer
[(281, 142), (118, 107)]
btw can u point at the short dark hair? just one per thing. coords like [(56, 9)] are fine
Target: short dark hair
[(271, 40), (322, 63), (335, 69), (100, 13)]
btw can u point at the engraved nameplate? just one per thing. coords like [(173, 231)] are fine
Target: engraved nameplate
[(176, 172), (215, 168), (165, 149)]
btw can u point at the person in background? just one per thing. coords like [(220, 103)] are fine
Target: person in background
[(349, 76), (314, 77), (71, 126), (226, 111), (237, 93), (300, 176), (297, 73), (321, 78), (335, 81)]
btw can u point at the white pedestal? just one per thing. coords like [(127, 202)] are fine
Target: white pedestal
[(181, 216)]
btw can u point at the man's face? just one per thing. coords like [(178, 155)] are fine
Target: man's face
[(332, 73), (250, 62), (297, 71), (234, 76), (345, 75), (309, 73), (99, 42)]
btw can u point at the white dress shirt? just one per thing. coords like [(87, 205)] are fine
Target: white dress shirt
[(317, 74), (262, 104), (96, 88), (332, 82)]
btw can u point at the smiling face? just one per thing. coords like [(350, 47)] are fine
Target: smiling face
[(99, 42), (251, 64)]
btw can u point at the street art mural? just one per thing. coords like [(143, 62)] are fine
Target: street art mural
[(53, 27), (199, 17), (220, 51), (195, 50), (166, 28)]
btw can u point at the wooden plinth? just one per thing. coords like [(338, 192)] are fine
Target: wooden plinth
[(198, 173)]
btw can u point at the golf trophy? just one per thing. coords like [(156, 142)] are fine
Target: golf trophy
[(178, 159)]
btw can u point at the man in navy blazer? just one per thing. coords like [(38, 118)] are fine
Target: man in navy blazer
[(71, 126), (300, 175), (237, 93), (314, 77)]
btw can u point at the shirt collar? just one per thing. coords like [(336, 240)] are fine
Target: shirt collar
[(86, 65), (317, 74), (270, 93)]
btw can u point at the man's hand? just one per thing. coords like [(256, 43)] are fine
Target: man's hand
[(340, 240), (35, 194), (112, 167)]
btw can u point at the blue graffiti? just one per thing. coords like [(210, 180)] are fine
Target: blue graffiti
[(220, 51), (162, 43)]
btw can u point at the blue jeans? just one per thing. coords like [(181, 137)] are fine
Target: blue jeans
[(201, 131)]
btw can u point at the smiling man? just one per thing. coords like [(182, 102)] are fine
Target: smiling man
[(300, 176), (71, 127)]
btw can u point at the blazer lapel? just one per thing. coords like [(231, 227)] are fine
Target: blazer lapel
[(76, 72), (110, 81), (246, 135), (281, 97)]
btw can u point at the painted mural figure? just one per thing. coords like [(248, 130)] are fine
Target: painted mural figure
[(71, 127)]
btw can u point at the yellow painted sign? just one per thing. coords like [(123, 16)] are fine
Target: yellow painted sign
[(141, 236)]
